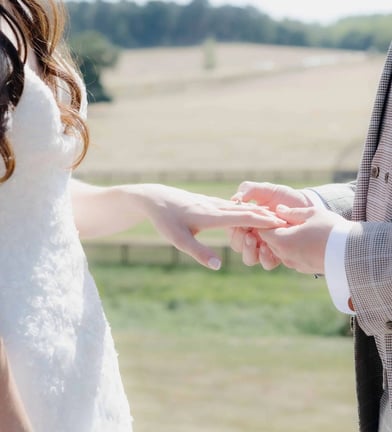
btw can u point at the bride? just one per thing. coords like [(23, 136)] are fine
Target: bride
[(62, 365)]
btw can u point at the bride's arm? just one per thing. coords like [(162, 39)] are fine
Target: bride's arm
[(101, 211), (175, 213)]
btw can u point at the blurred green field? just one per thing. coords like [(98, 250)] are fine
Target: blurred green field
[(236, 351), (193, 300), (236, 384)]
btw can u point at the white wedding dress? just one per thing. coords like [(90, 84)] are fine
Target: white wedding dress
[(58, 340)]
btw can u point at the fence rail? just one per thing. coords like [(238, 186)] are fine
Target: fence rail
[(133, 252), (189, 176)]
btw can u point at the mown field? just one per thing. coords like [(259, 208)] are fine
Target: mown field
[(233, 351), (240, 350), (263, 108)]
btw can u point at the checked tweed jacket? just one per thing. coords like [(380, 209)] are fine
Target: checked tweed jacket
[(368, 255)]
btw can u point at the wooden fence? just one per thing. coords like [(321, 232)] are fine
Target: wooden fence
[(152, 252), (190, 176)]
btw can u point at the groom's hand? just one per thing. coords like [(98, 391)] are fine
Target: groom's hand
[(253, 249), (247, 241), (302, 244), (271, 195)]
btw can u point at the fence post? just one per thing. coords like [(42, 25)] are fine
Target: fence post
[(226, 252), (175, 256), (124, 251)]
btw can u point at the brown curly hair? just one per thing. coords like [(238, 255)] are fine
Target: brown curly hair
[(40, 29)]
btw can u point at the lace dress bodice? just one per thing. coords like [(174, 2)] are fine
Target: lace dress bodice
[(51, 318)]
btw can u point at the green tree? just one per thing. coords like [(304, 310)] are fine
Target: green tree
[(133, 24), (362, 33), (158, 23), (93, 52), (290, 32), (192, 23)]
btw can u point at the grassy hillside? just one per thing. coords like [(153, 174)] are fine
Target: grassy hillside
[(239, 301), (236, 384), (230, 351)]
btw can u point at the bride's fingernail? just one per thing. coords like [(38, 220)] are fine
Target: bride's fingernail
[(214, 263)]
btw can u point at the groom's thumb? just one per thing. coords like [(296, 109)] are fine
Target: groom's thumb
[(294, 216)]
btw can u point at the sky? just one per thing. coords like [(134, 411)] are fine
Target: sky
[(322, 11)]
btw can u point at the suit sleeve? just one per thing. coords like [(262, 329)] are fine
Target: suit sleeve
[(368, 262), (337, 197)]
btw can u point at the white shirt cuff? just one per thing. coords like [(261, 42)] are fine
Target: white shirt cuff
[(335, 272)]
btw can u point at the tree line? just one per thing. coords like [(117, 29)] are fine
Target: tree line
[(98, 29), (156, 23)]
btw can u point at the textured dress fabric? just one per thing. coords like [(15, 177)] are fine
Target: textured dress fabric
[(51, 319)]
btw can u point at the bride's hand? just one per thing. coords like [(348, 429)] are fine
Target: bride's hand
[(180, 215)]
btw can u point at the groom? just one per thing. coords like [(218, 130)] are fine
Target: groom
[(344, 232)]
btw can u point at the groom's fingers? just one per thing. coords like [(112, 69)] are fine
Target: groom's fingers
[(237, 239), (244, 218), (295, 216), (267, 258), (253, 191), (250, 252)]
